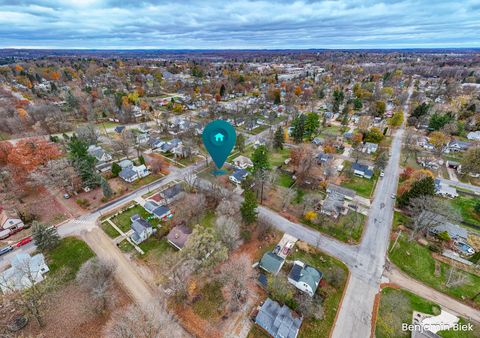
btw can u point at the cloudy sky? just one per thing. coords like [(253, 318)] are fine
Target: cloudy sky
[(188, 24)]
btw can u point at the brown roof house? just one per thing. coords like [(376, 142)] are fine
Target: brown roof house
[(178, 236)]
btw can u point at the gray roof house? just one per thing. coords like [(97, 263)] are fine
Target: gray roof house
[(141, 229), (455, 231), (238, 176), (125, 164), (279, 321), (444, 189), (369, 148), (173, 192), (457, 145), (347, 193), (150, 206), (24, 272), (100, 154), (305, 277), (162, 212), (323, 158), (362, 170), (178, 236), (271, 262), (334, 205), (119, 129)]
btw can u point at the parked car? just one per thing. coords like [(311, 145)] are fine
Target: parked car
[(5, 233), (393, 196), (277, 249), (5, 249), (382, 174), (24, 241), (287, 248), (66, 196)]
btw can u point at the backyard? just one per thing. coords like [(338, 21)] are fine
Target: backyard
[(417, 261), (347, 228), (465, 205), (123, 221)]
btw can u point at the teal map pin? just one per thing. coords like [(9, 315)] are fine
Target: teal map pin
[(219, 138)]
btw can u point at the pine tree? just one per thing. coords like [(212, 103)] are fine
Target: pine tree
[(45, 237), (240, 144), (249, 206), (278, 138), (312, 123), (116, 169), (260, 158), (106, 189), (222, 90), (298, 131), (141, 159)]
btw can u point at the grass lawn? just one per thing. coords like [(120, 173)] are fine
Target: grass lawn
[(348, 228), (396, 307), (416, 261), (208, 219), (258, 129), (364, 187), (109, 230), (466, 206), (106, 124), (461, 334), (155, 246), (123, 220), (125, 246), (210, 303), (335, 273), (71, 253), (144, 181), (399, 218), (278, 157), (285, 180), (330, 131)]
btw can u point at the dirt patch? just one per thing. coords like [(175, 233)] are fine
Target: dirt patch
[(72, 314)]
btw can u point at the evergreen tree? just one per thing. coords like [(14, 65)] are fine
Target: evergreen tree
[(240, 143), (116, 169), (278, 138), (141, 159), (222, 90), (82, 161), (260, 159), (45, 237), (298, 131), (312, 123), (425, 186), (106, 189), (248, 207)]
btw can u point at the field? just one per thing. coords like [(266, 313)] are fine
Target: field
[(71, 253), (465, 205), (417, 262), (347, 228)]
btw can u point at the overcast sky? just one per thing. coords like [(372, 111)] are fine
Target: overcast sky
[(239, 24)]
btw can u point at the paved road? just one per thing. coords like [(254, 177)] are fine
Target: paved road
[(397, 277), (462, 185)]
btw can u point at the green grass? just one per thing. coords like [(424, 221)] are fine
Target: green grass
[(364, 187), (71, 253), (109, 230), (107, 124), (208, 219), (278, 157), (123, 220), (346, 228), (210, 304), (335, 273), (285, 180), (155, 246), (417, 262), (144, 181), (256, 332), (396, 307), (125, 246), (465, 205), (461, 334), (258, 129), (399, 218)]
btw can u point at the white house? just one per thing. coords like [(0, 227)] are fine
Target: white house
[(305, 277), (242, 162), (131, 174), (24, 272), (142, 230), (100, 154), (8, 221), (369, 148), (445, 190), (474, 135)]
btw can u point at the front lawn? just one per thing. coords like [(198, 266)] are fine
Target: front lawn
[(346, 228), (71, 253), (109, 230), (465, 205), (364, 187), (417, 261), (278, 157), (210, 303), (396, 307), (156, 247), (285, 180), (123, 220), (335, 273), (144, 181), (399, 219)]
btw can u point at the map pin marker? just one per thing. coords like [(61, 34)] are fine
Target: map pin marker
[(219, 138)]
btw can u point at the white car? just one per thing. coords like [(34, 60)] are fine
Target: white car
[(393, 196), (382, 174)]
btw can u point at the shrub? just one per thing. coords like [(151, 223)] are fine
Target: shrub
[(83, 203)]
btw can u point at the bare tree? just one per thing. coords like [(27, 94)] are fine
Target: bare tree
[(58, 174), (87, 133), (456, 278), (151, 321), (229, 206), (428, 212), (194, 206), (191, 180), (236, 274), (287, 198), (97, 276), (228, 230), (310, 307)]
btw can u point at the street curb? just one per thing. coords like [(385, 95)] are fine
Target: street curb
[(339, 306)]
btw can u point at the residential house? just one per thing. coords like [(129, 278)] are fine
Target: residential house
[(456, 232), (444, 189), (160, 211), (334, 205), (362, 170), (125, 164), (170, 146), (131, 174), (318, 141), (23, 273), (369, 148), (119, 129), (238, 176), (155, 143), (9, 221), (242, 162), (474, 135), (278, 320), (271, 263), (323, 158), (142, 138), (142, 230), (456, 145), (100, 154), (348, 194), (305, 277), (172, 193), (425, 144), (179, 235), (259, 142)]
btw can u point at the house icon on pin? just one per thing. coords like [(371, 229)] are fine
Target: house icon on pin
[(219, 137)]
